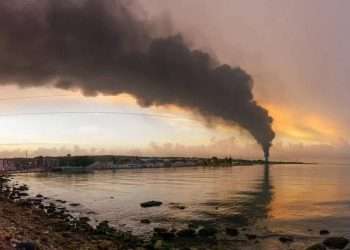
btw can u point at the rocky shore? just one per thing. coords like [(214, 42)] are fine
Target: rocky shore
[(28, 223)]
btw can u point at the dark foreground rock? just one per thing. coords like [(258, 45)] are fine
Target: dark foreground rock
[(286, 239), (317, 247), (151, 204), (207, 232), (232, 232), (251, 236), (145, 221), (324, 232), (74, 204), (27, 246), (336, 242), (27, 224), (186, 233)]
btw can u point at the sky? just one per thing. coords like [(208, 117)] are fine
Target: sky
[(296, 51)]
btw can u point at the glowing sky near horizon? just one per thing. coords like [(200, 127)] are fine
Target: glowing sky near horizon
[(296, 51)]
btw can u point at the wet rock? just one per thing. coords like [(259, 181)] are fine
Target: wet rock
[(159, 230), (35, 201), (23, 188), (336, 242), (232, 231), (27, 246), (81, 225), (186, 233), (207, 232), (24, 203), (286, 239), (74, 204), (166, 235), (316, 247), (50, 210), (158, 244), (177, 206), (61, 227), (145, 221), (84, 219), (104, 228), (181, 207), (324, 232), (39, 196), (251, 236), (151, 204)]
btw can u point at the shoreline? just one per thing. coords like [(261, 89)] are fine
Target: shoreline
[(87, 169), (28, 220)]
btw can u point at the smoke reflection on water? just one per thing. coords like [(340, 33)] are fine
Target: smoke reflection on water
[(289, 198)]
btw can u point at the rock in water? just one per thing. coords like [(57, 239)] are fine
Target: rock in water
[(207, 232), (74, 204), (186, 233), (151, 204), (145, 221), (286, 239), (27, 246), (158, 244), (317, 247), (232, 231), (324, 232), (251, 236), (336, 242)]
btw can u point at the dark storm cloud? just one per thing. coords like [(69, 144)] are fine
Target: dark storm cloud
[(99, 46)]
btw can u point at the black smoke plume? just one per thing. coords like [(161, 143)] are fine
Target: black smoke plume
[(99, 46)]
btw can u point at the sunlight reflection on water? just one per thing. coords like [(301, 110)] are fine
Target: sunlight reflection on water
[(288, 198)]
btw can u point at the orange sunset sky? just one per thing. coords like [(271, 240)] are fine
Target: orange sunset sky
[(296, 51)]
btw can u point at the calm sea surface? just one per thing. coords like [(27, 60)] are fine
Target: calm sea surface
[(284, 198)]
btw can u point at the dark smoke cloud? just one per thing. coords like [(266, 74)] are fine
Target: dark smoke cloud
[(99, 46)]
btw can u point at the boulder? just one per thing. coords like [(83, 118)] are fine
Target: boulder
[(159, 230), (166, 235), (104, 228), (186, 233), (27, 246), (207, 231), (324, 232), (151, 204), (286, 239), (74, 204), (158, 244), (316, 247), (251, 236), (336, 242), (145, 221), (232, 231), (23, 188)]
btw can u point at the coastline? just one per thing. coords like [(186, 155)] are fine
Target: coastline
[(26, 219), (27, 222), (220, 164)]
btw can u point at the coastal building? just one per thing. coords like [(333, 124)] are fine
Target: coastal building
[(45, 163), (7, 165)]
